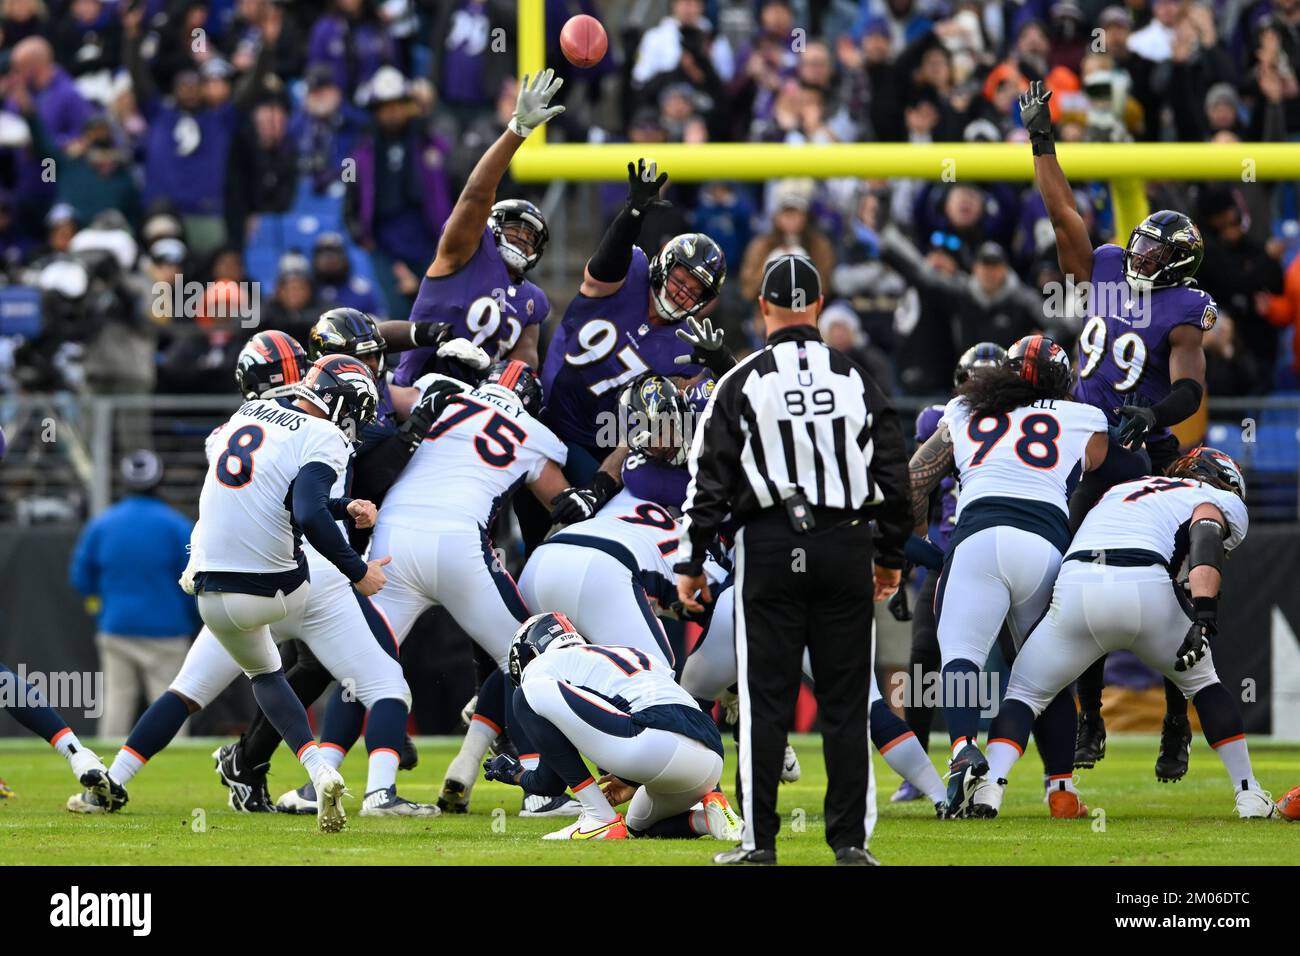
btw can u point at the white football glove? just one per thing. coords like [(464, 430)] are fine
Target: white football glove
[(531, 108), (187, 576), (466, 352)]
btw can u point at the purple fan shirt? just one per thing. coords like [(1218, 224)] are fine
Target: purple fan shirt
[(926, 424), (1124, 346), (447, 299), (600, 346)]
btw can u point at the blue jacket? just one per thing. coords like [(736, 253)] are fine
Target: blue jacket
[(131, 557)]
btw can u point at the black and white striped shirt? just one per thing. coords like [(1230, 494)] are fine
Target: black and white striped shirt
[(797, 416)]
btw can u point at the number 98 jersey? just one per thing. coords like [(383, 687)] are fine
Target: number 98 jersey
[(1033, 453)]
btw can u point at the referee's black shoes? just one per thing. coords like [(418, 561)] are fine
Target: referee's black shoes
[(740, 856), (854, 856)]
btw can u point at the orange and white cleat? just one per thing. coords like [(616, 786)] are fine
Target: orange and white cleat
[(587, 827), (722, 821), (1066, 805)]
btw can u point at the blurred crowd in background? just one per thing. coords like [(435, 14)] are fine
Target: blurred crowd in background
[(265, 160)]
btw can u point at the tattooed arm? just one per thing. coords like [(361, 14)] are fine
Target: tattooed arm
[(931, 462)]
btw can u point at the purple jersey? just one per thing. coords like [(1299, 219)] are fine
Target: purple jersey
[(656, 481), (600, 346), (926, 424), (1124, 347), (447, 299)]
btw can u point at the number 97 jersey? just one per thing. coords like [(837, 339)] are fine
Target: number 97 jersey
[(1033, 453)]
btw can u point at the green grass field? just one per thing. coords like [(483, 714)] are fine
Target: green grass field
[(178, 815)]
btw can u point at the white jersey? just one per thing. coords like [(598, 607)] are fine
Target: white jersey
[(1146, 515), (1031, 453), (245, 518), (614, 673), (476, 454)]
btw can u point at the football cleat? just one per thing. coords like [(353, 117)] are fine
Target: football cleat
[(110, 793), (409, 756), (454, 797), (247, 785), (790, 769), (6, 791), (1066, 805), (1289, 805), (721, 820), (855, 856), (536, 805), (588, 828), (739, 856), (83, 801), (1254, 804), (330, 791), (302, 800), (1175, 749), (964, 772), (906, 793), (986, 798), (386, 803), (1089, 739)]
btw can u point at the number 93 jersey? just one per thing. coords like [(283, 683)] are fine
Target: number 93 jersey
[(477, 453), (245, 518), (1033, 453), (1148, 514), (600, 346)]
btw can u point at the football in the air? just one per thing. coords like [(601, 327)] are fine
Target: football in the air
[(1289, 805), (584, 40)]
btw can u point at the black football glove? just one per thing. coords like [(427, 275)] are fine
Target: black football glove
[(706, 347), (898, 602), (504, 768), (1197, 642), (644, 182), (428, 410), (1134, 424), (431, 334), (582, 501), (1037, 118)]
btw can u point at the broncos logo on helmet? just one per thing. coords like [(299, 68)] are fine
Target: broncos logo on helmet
[(344, 390), (1043, 364), (1212, 467), (520, 381), (538, 634), (270, 365)]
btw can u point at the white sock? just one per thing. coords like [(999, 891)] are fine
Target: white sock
[(313, 760), (593, 801), (333, 755), (530, 761), (909, 760), (1236, 760), (1002, 756), (464, 769), (126, 765), (699, 822), (961, 742), (66, 743), (1064, 781), (383, 769)]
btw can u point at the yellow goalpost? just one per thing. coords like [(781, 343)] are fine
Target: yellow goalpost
[(1124, 165)]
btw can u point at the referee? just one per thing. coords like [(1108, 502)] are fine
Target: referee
[(801, 448)]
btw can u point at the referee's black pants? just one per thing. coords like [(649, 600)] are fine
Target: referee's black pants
[(796, 591)]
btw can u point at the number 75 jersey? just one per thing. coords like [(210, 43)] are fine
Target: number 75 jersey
[(1033, 453)]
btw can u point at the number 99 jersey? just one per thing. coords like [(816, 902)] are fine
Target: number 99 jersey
[(1033, 453), (1124, 346)]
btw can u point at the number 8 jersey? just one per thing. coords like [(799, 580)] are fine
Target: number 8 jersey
[(1032, 453)]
